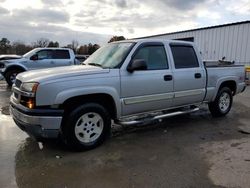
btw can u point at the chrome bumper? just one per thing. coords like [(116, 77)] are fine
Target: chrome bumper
[(37, 126)]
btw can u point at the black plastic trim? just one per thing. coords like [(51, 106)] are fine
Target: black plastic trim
[(38, 112), (185, 44)]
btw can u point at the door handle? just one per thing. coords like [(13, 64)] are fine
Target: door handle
[(197, 75), (168, 77)]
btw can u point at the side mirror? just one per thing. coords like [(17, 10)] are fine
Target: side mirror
[(137, 64), (34, 57)]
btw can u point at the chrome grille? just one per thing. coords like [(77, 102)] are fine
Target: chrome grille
[(18, 83), (16, 95)]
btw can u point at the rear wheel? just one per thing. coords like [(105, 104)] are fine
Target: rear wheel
[(86, 127), (10, 76), (222, 103)]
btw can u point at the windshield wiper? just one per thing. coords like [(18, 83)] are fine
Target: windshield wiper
[(95, 64)]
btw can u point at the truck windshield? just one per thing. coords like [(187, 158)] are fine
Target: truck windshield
[(110, 55), (30, 53)]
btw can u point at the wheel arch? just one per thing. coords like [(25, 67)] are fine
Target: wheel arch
[(14, 67), (231, 83), (104, 99)]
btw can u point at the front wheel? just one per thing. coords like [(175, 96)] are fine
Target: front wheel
[(86, 127), (10, 76), (222, 103)]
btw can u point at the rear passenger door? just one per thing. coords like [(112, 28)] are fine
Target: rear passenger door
[(189, 76), (61, 58)]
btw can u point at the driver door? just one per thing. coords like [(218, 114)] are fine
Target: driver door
[(44, 60), (150, 89)]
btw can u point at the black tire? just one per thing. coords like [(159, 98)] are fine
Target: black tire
[(71, 122), (10, 74), (216, 108)]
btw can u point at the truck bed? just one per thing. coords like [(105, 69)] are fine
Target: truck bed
[(217, 73)]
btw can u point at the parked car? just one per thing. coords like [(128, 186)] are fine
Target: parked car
[(37, 58), (130, 82)]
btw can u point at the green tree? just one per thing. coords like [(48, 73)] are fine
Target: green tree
[(4, 45)]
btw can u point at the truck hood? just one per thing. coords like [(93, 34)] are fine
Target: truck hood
[(9, 56), (14, 60), (52, 74)]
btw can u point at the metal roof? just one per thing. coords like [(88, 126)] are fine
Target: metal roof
[(202, 28)]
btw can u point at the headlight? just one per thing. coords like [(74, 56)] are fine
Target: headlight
[(29, 86), (29, 102)]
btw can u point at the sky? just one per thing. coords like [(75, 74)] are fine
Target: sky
[(96, 21)]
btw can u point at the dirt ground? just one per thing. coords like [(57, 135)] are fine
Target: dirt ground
[(185, 151)]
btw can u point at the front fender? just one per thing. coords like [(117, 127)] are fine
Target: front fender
[(75, 92), (11, 66)]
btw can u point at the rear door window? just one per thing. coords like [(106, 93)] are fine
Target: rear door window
[(61, 54), (184, 56)]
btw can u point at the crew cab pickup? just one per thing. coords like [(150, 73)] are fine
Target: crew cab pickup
[(129, 82), (36, 59)]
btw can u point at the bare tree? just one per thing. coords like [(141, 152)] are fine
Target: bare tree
[(20, 48), (75, 45), (42, 42)]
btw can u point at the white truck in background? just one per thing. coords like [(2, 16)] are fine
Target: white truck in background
[(37, 58)]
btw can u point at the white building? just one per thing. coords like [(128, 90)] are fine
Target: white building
[(231, 41)]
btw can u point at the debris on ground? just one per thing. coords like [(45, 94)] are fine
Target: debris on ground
[(5, 110), (202, 138), (40, 145), (244, 129)]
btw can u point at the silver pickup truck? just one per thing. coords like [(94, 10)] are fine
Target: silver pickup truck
[(37, 58), (129, 82)]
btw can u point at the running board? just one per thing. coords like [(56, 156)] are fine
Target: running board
[(158, 117)]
